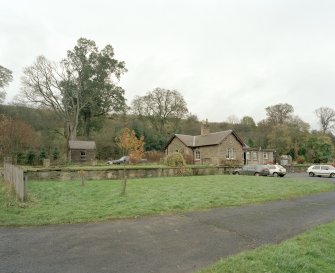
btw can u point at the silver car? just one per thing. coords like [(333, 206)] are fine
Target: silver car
[(276, 170), (321, 170)]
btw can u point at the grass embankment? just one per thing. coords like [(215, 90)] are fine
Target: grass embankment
[(68, 202), (311, 252)]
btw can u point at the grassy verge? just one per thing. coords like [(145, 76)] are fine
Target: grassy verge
[(68, 202), (311, 252)]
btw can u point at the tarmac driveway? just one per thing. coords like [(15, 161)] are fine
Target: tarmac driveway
[(176, 243)]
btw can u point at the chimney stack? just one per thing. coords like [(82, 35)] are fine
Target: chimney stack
[(204, 128)]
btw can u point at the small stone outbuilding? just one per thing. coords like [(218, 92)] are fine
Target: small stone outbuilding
[(82, 151)]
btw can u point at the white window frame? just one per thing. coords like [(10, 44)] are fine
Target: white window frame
[(83, 155), (247, 156), (197, 154), (254, 156), (230, 154)]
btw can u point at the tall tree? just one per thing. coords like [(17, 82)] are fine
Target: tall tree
[(280, 140), (326, 118), (279, 113), (248, 122), (5, 78), (320, 148), (80, 87), (299, 131), (94, 74), (165, 108)]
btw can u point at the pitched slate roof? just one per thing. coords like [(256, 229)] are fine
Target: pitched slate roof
[(205, 140), (81, 145)]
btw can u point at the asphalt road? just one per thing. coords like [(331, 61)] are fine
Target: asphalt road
[(176, 243), (305, 176)]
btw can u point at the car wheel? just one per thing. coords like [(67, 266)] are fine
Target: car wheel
[(256, 174), (275, 174), (311, 174), (332, 175)]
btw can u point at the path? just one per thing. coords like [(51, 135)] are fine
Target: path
[(178, 243)]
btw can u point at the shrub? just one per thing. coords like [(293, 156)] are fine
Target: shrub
[(30, 157), (229, 163), (55, 153), (300, 159), (175, 160), (42, 155)]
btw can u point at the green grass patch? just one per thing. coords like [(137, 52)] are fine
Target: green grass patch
[(69, 202), (311, 252)]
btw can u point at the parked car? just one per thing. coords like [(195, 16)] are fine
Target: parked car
[(124, 159), (276, 170), (252, 170), (321, 170)]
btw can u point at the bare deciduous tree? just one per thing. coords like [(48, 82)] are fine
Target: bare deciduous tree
[(5, 78), (326, 118), (80, 87), (279, 113), (161, 106)]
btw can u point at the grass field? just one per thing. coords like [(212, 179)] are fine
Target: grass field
[(311, 252), (68, 202)]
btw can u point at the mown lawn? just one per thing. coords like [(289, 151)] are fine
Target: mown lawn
[(311, 252), (68, 202)]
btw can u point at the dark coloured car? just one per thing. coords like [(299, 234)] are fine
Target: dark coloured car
[(252, 170)]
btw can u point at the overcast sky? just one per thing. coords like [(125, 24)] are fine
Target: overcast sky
[(225, 57)]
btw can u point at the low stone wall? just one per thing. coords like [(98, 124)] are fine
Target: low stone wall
[(296, 169), (117, 173), (114, 174)]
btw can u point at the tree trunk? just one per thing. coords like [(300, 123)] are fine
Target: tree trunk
[(70, 133), (124, 181)]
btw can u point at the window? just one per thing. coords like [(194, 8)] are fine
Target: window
[(247, 156), (265, 156), (254, 155), (230, 154), (197, 154), (83, 155)]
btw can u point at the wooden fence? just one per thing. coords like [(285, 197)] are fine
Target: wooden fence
[(15, 177)]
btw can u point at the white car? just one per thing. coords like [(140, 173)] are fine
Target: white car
[(321, 170), (276, 170)]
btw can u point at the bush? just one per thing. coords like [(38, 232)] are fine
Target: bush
[(42, 155), (229, 163), (30, 157), (300, 159), (175, 160), (55, 153)]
